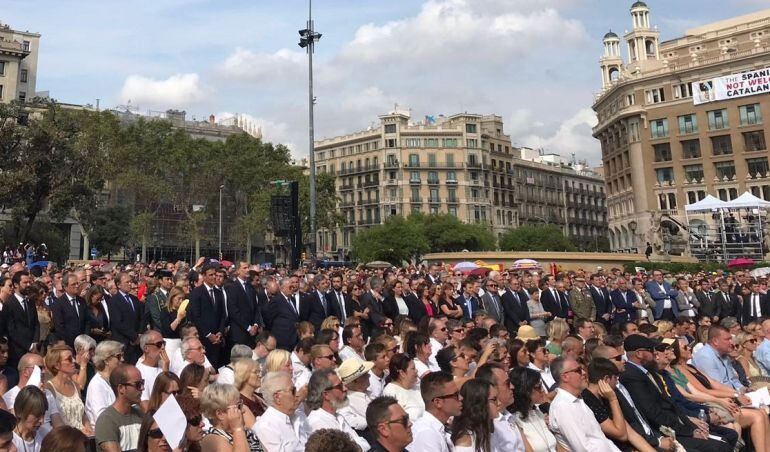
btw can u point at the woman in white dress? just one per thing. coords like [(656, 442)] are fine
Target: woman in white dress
[(403, 378), (529, 392), (472, 429)]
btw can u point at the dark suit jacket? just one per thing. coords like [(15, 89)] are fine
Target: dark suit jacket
[(336, 305), (282, 320), (633, 420), (656, 408), (708, 306), (312, 309), (23, 326), (243, 312), (764, 306), (376, 312), (602, 302), (729, 307), (390, 307), (207, 315), (126, 323), (474, 302), (551, 304), (623, 305), (67, 323), (489, 306), (515, 311)]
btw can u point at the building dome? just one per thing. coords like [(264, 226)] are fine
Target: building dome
[(639, 4), (611, 35)]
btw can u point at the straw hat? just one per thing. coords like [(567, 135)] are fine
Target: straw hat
[(527, 333), (352, 368)]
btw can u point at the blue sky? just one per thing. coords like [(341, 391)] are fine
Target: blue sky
[(534, 62)]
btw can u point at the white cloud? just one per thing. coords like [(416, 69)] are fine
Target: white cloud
[(179, 90), (572, 136), (247, 65), (272, 131)]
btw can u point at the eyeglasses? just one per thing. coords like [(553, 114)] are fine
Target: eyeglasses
[(404, 421), (195, 421), (238, 404), (458, 330), (138, 384), (752, 340), (155, 433), (577, 370), (158, 344), (340, 387), (455, 395), (330, 357), (119, 356), (617, 358)]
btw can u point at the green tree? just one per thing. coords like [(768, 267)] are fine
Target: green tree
[(446, 232), (53, 159), (535, 238), (109, 229), (141, 230), (394, 241)]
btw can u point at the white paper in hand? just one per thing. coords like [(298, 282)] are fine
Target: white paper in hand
[(759, 397), (171, 421), (34, 379)]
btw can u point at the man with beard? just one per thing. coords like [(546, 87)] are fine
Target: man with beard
[(326, 394), (654, 404)]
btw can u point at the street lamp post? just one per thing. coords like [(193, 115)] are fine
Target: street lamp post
[(308, 38), (221, 187)]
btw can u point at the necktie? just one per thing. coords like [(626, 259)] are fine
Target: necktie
[(75, 306), (754, 304), (211, 294), (341, 302), (293, 308), (323, 303), (23, 304), (128, 300)]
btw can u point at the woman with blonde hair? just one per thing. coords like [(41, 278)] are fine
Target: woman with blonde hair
[(60, 363), (665, 329), (248, 379), (279, 360), (99, 395), (557, 330), (171, 318), (746, 344), (230, 421)]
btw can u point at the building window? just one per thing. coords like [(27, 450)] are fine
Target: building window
[(452, 211), (754, 141), (725, 170), (414, 160), (434, 195), (718, 119), (431, 142), (390, 128), (390, 143), (655, 96), (672, 201), (415, 194), (633, 132), (2, 67), (757, 166), (750, 114), (432, 177), (413, 142), (665, 175), (450, 142), (472, 142), (451, 176), (691, 197), (470, 128), (1, 91), (682, 90), (693, 173), (659, 128), (25, 46), (630, 100), (22, 96), (414, 176), (662, 152), (450, 160), (432, 160), (721, 145), (451, 195), (690, 149), (688, 124)]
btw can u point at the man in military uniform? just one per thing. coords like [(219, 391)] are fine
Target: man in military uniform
[(158, 300), (581, 300)]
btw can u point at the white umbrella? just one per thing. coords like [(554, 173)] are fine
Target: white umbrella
[(760, 272), (526, 264), (465, 266)]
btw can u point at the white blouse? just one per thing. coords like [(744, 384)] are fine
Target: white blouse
[(535, 429), (409, 399), (99, 396)]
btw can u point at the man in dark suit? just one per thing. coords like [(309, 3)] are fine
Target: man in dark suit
[(207, 312), (601, 300), (373, 299), (126, 315), (282, 316), (336, 299), (20, 316), (550, 299), (729, 305), (650, 399), (244, 314), (492, 302), (468, 299), (515, 306), (317, 308), (69, 312), (708, 301), (756, 305), (623, 301)]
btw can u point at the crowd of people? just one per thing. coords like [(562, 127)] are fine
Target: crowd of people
[(414, 358)]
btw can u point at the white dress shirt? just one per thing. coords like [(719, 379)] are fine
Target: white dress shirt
[(321, 418), (429, 435), (347, 352), (435, 347), (278, 432), (99, 396), (178, 363), (545, 376), (409, 399), (300, 374), (506, 436), (376, 385), (575, 426), (354, 410)]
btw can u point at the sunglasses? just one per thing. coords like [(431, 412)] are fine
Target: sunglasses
[(330, 357), (195, 421), (577, 370), (155, 433), (617, 358), (404, 421), (455, 395), (340, 387), (458, 330), (138, 384), (158, 344)]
